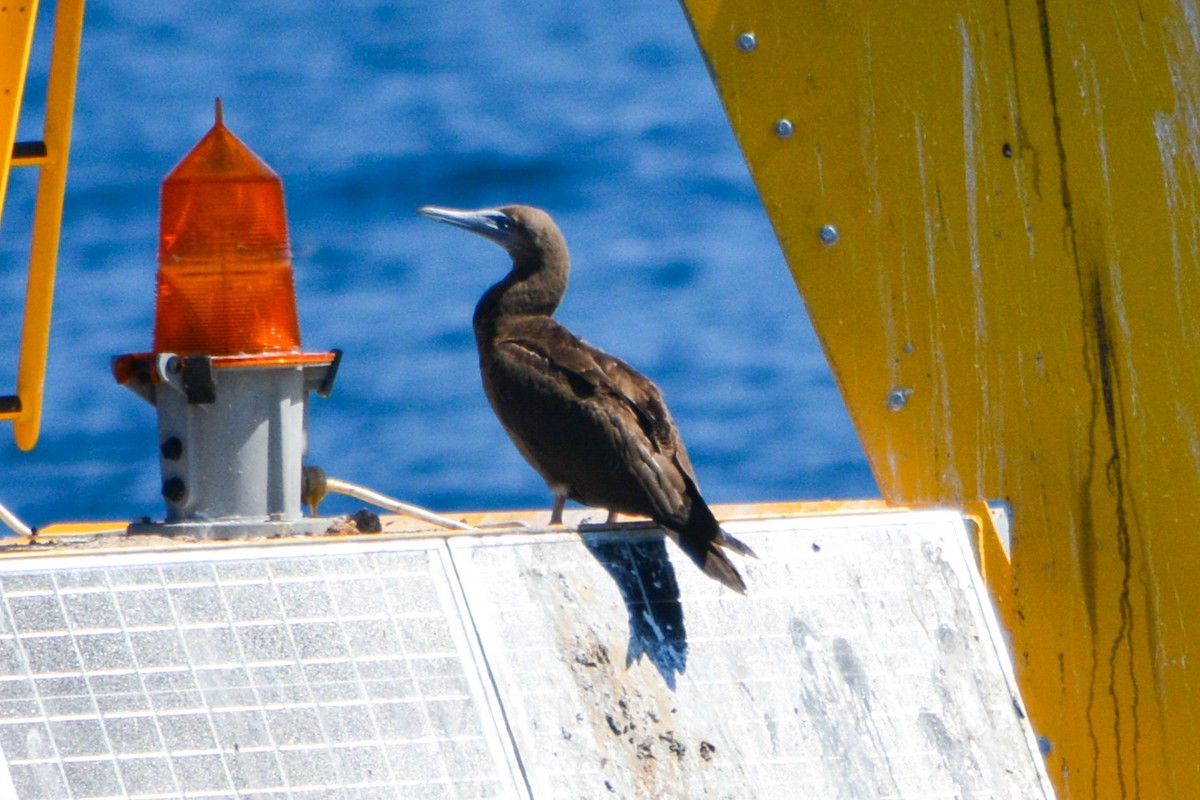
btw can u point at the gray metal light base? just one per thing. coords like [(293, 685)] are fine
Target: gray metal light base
[(225, 529), (232, 436)]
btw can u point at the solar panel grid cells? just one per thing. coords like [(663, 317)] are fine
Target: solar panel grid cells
[(272, 677)]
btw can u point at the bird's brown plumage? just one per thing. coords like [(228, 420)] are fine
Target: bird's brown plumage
[(593, 427)]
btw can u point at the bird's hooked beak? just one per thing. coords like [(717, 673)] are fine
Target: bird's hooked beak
[(491, 223)]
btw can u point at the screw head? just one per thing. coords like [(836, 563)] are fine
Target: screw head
[(746, 42), (784, 128), (897, 398), (829, 234)]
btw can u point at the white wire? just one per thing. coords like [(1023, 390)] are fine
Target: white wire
[(392, 504), (11, 520)]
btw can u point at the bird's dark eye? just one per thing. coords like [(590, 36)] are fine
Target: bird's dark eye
[(501, 222)]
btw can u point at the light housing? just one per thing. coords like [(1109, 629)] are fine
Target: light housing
[(227, 375), (225, 281)]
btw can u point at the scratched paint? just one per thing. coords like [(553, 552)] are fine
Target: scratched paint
[(1182, 229), (940, 405), (972, 110), (1177, 133)]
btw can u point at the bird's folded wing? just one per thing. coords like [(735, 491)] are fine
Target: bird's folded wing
[(588, 371)]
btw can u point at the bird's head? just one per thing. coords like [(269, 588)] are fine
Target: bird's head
[(524, 231)]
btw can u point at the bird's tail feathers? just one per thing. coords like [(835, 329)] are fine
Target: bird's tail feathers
[(718, 567), (702, 539), (736, 545)]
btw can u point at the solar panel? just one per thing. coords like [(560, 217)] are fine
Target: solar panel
[(865, 662), (275, 672)]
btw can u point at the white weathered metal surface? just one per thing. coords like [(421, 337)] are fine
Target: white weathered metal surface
[(865, 663)]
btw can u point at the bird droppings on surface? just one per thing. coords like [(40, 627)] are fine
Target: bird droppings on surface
[(595, 655), (677, 748), (634, 718), (707, 750)]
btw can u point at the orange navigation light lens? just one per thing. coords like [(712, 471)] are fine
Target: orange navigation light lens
[(225, 282)]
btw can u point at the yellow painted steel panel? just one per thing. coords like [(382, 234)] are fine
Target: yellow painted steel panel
[(16, 37), (1010, 307)]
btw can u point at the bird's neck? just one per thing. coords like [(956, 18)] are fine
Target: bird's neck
[(534, 287)]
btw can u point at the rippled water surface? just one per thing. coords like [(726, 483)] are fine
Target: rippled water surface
[(367, 110)]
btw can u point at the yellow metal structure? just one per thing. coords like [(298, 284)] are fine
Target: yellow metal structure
[(991, 211), (17, 22)]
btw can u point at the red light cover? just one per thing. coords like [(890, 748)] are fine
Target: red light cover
[(225, 281)]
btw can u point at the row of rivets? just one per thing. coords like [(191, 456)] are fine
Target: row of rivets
[(784, 128)]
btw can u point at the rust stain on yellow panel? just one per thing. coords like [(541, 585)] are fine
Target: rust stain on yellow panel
[(1010, 308)]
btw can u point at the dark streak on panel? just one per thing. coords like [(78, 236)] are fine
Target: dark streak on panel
[(1063, 182), (1023, 143), (1083, 503), (1101, 366), (1114, 473)]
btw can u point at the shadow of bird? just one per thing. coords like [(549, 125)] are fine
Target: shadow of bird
[(646, 579), (593, 427)]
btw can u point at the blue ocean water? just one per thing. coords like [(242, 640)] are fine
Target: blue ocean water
[(368, 110)]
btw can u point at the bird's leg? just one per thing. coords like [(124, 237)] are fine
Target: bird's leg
[(612, 516), (560, 500)]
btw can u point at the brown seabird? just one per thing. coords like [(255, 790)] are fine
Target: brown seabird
[(593, 427)]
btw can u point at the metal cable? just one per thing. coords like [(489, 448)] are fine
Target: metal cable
[(13, 521), (392, 504)]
